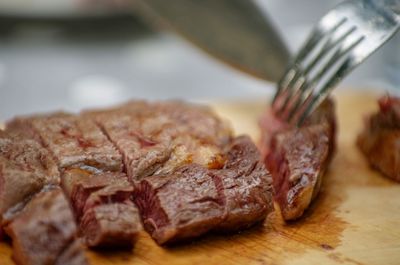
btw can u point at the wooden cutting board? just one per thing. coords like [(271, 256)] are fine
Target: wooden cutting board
[(355, 219)]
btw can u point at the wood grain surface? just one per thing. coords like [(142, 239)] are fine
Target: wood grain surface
[(355, 219)]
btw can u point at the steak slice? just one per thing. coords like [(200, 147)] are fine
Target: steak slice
[(157, 138), (73, 141), (245, 184), (380, 139), (111, 225), (196, 199), (44, 232), (179, 206), (103, 207), (298, 157), (25, 168)]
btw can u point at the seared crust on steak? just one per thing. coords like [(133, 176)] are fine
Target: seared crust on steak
[(298, 157), (380, 139), (157, 138), (73, 141)]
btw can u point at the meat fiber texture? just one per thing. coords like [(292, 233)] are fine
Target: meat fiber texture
[(103, 207), (44, 232), (298, 157), (84, 154), (380, 139), (196, 199)]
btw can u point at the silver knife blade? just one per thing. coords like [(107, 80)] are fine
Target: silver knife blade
[(235, 31)]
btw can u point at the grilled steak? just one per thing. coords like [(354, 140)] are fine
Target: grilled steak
[(44, 232), (103, 207), (179, 163), (156, 138), (380, 140), (298, 157), (196, 199)]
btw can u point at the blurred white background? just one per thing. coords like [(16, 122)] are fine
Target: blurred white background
[(46, 67)]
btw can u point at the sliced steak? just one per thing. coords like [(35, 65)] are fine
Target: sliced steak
[(380, 140), (157, 138), (103, 207), (298, 157), (111, 225), (245, 184), (183, 205), (73, 141), (25, 168), (45, 232), (196, 199)]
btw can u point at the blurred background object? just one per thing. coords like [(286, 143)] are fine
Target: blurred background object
[(75, 54)]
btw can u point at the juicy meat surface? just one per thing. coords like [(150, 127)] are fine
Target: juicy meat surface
[(298, 157), (72, 140), (157, 138), (183, 205), (44, 232), (196, 199), (245, 184), (380, 139), (103, 207), (25, 168), (111, 225)]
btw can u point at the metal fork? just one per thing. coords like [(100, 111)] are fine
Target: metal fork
[(341, 40)]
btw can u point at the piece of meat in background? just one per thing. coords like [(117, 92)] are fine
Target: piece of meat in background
[(380, 139)]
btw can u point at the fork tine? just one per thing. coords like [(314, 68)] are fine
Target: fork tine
[(328, 47), (315, 37), (343, 70), (305, 89), (335, 77)]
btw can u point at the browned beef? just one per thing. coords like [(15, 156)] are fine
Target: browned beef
[(156, 138), (245, 184), (84, 153), (111, 225), (73, 141), (45, 232), (196, 199), (103, 207), (25, 168), (380, 140), (298, 157), (183, 205)]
